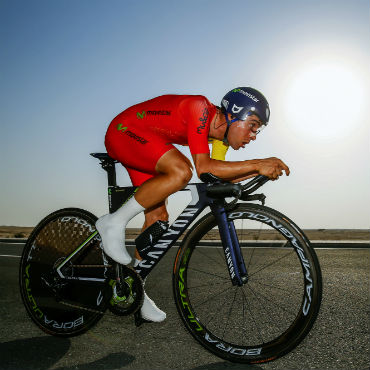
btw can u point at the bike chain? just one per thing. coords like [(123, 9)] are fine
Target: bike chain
[(81, 307), (87, 266)]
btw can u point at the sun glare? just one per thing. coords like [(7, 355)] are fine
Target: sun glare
[(324, 100)]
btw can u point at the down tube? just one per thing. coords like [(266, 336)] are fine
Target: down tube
[(153, 255)]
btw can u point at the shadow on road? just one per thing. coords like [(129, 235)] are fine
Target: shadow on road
[(226, 365), (111, 362), (43, 352), (33, 353)]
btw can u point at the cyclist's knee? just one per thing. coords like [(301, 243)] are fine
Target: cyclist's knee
[(179, 173), (183, 173), (177, 166)]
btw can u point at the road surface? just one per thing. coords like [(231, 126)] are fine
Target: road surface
[(339, 340)]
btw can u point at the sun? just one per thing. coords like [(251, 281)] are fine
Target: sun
[(324, 101)]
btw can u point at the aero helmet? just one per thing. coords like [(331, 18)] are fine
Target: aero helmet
[(242, 102)]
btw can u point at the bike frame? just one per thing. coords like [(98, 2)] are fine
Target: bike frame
[(199, 201), (152, 255)]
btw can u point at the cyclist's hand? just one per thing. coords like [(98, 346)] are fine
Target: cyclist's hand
[(273, 168)]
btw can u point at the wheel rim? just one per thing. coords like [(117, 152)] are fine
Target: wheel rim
[(255, 320)]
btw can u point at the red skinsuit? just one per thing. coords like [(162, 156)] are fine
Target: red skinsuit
[(141, 134)]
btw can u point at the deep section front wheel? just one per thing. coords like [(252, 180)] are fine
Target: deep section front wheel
[(70, 302), (276, 306)]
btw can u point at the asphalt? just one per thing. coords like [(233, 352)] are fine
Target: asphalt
[(340, 338)]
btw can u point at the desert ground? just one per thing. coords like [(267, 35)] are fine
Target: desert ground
[(312, 234)]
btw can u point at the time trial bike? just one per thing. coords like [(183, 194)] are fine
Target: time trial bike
[(246, 281)]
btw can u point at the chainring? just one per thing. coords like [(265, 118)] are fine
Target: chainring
[(127, 291)]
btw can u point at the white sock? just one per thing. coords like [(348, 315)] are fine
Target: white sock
[(125, 213), (149, 310), (136, 262), (111, 228)]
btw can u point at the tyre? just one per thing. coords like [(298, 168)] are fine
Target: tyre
[(59, 306), (268, 315)]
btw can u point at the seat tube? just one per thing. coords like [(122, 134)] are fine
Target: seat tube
[(227, 242)]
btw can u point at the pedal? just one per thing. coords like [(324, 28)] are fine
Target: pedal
[(139, 320)]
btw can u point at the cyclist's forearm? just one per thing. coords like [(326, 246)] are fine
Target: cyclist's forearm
[(239, 179), (231, 171)]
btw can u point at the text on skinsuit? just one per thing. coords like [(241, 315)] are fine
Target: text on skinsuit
[(131, 134), (203, 121), (143, 114), (305, 263)]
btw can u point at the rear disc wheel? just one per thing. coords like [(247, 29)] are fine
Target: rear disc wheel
[(65, 307)]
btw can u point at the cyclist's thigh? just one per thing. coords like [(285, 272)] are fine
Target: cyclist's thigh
[(138, 177), (136, 148)]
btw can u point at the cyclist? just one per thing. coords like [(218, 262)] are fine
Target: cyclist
[(141, 138)]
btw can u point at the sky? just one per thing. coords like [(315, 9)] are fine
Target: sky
[(68, 67)]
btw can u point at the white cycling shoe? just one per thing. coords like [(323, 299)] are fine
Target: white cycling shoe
[(113, 238), (149, 310)]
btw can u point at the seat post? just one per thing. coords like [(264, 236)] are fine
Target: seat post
[(110, 167)]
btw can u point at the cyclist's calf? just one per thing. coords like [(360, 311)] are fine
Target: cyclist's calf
[(153, 214)]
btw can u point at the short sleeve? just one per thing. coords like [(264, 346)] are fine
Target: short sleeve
[(197, 112)]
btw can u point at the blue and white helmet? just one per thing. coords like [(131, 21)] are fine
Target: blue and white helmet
[(244, 101)]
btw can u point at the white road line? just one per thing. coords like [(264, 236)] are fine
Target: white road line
[(9, 255), (16, 243)]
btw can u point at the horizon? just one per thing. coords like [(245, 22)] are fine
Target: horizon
[(138, 228)]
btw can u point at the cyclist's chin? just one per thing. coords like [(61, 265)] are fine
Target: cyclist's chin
[(236, 146), (241, 145)]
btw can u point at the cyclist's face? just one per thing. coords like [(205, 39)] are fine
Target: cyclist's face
[(242, 132)]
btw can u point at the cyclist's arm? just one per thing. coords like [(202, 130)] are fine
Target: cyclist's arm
[(240, 170), (219, 150)]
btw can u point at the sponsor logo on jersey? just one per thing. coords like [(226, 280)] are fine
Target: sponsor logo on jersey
[(246, 94), (125, 130), (143, 114), (203, 121)]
